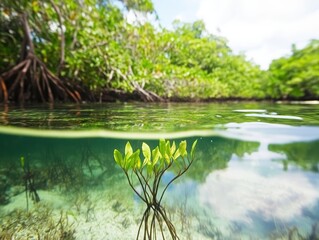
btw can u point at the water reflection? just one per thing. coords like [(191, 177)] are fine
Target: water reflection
[(253, 184), (242, 187), (214, 153), (269, 132), (241, 194), (305, 155), (166, 117), (4, 115)]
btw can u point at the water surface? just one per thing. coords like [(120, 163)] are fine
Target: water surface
[(255, 174)]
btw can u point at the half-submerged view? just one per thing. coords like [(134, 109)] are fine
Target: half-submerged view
[(159, 120)]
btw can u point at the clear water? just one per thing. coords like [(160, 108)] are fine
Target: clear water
[(255, 175)]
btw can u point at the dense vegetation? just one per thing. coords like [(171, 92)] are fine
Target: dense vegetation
[(296, 76), (87, 50)]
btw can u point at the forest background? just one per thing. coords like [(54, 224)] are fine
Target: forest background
[(87, 50)]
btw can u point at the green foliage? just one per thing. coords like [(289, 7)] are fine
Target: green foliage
[(139, 5), (93, 34), (156, 160), (91, 43), (212, 158), (149, 173), (302, 154), (189, 62), (102, 50), (297, 75)]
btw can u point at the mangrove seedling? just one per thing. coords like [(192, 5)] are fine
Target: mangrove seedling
[(28, 178), (148, 176)]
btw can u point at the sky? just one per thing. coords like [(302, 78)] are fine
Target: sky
[(261, 29)]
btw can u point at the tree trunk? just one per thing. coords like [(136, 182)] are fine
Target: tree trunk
[(31, 80)]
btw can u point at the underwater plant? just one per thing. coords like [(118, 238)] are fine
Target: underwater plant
[(29, 185), (38, 223), (148, 176)]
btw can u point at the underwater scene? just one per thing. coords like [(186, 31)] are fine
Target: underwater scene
[(104, 171)]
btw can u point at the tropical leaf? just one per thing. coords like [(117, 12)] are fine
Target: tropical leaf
[(155, 156), (176, 154), (193, 149), (118, 157), (182, 148), (173, 148), (130, 162), (128, 150), (136, 161), (146, 151), (162, 146)]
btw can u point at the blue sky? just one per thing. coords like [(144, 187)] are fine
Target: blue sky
[(262, 29)]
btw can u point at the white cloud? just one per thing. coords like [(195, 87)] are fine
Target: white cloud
[(263, 29), (240, 193)]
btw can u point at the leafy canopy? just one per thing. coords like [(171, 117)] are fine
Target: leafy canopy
[(91, 43), (297, 75)]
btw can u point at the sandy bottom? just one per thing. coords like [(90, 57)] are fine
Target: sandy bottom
[(102, 213)]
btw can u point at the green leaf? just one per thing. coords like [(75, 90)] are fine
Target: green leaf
[(133, 160), (146, 151), (118, 157), (167, 149), (193, 148), (136, 161), (173, 148), (176, 154), (155, 156), (182, 148), (128, 150), (146, 161), (167, 146), (162, 147), (167, 158), (127, 163)]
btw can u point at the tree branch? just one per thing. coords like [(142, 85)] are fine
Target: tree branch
[(27, 33), (62, 44)]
